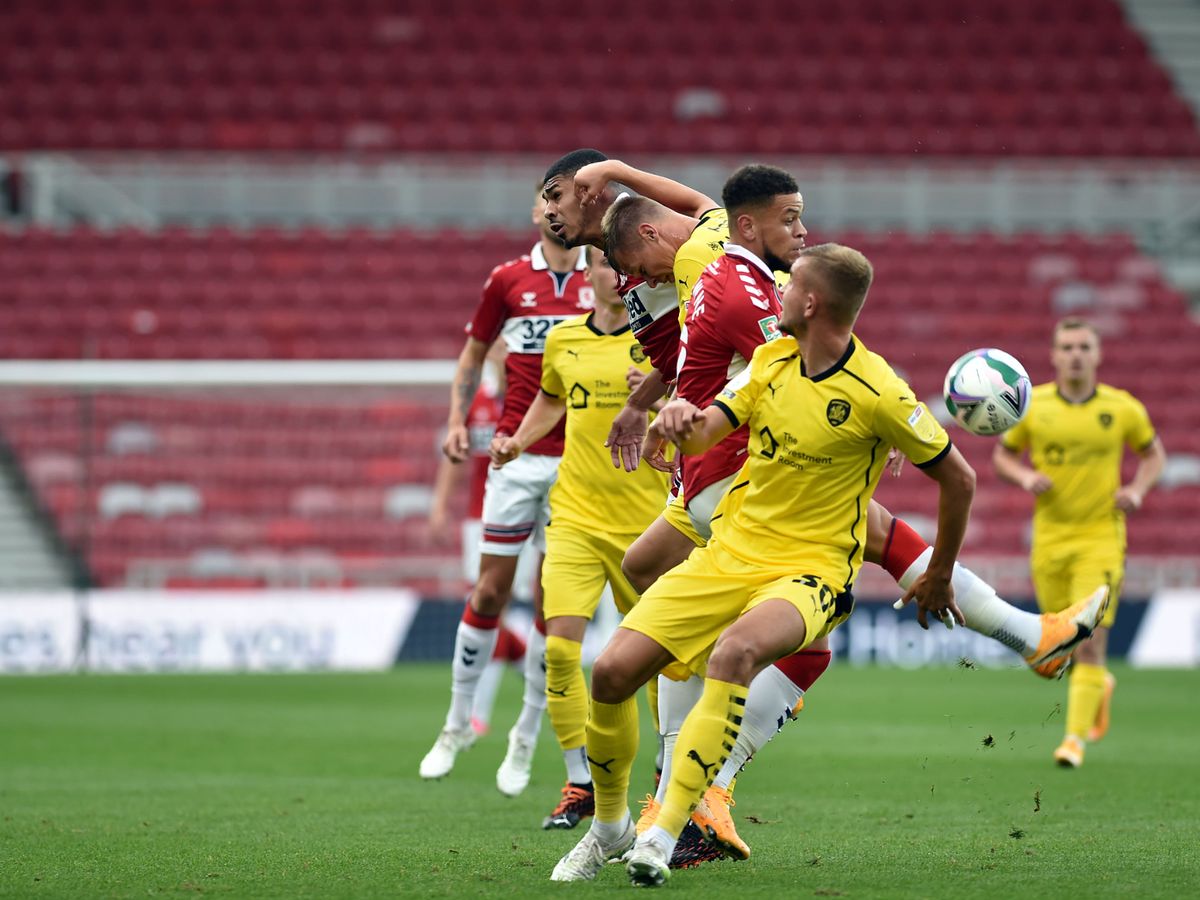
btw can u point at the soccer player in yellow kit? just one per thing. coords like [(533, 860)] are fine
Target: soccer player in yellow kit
[(595, 509), (777, 574), (1076, 433)]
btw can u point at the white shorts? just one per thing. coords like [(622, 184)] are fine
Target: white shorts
[(701, 507), (527, 566), (516, 504)]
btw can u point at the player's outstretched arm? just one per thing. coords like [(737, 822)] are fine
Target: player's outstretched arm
[(591, 180), (542, 415), (457, 445), (956, 489), (691, 429), (1009, 467), (448, 476), (1150, 468)]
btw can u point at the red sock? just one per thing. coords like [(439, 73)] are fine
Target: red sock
[(479, 620), (901, 549), (509, 647), (540, 624), (805, 667)]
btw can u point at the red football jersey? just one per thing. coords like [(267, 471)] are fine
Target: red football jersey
[(654, 321), (482, 419), (522, 300), (734, 307)]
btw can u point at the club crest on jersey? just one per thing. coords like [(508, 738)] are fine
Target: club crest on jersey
[(837, 412), (1106, 420), (637, 354), (529, 298), (769, 327)]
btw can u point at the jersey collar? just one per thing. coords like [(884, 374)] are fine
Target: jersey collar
[(741, 252), (1088, 399), (590, 322), (537, 259), (835, 368)]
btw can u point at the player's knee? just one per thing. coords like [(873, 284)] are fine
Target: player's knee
[(490, 595), (734, 659), (611, 681)]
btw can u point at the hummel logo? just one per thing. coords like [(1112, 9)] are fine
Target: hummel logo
[(529, 298), (466, 660), (602, 765), (692, 754)]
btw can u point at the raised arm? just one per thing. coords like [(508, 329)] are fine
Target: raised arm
[(542, 415), (628, 430), (591, 180), (457, 445)]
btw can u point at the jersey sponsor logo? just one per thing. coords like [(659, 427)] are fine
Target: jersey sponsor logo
[(1106, 420), (578, 396), (770, 446), (637, 354), (769, 327), (837, 412), (639, 316), (529, 298)]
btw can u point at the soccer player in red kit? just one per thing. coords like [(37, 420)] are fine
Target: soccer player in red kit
[(522, 300)]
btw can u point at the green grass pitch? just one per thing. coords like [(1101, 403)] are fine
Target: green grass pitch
[(935, 783)]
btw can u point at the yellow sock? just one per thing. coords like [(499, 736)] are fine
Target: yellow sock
[(652, 699), (612, 743), (704, 743), (566, 691), (1085, 693)]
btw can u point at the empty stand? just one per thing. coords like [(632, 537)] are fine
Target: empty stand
[(864, 77), (211, 480)]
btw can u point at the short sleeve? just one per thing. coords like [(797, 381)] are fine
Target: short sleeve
[(688, 269), (747, 323), (492, 310), (905, 423), (1016, 439), (551, 379), (737, 398), (1139, 431)]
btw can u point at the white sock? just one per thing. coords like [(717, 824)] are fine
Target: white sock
[(485, 692), (533, 706), (473, 648), (769, 705), (675, 701), (610, 832), (656, 834), (577, 766), (985, 611)]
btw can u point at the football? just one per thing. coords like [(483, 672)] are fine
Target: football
[(987, 391)]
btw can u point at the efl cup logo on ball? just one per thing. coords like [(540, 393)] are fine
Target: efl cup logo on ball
[(987, 391)]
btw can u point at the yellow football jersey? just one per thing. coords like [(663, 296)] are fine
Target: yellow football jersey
[(586, 368), (705, 246), (1079, 446), (817, 449)]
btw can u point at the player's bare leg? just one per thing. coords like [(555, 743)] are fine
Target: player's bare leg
[(660, 548), (473, 646), (1045, 641)]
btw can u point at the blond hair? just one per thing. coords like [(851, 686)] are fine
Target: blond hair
[(845, 274), (621, 221), (1074, 323)]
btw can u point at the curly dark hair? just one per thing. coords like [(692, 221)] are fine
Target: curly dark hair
[(754, 185), (572, 163)]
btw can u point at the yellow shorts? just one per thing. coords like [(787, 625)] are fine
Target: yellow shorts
[(1065, 572), (577, 566), (677, 517), (686, 610)]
